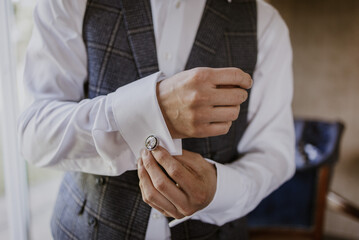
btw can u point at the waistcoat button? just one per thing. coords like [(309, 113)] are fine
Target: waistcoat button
[(100, 181), (92, 221)]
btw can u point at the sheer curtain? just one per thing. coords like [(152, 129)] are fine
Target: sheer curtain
[(26, 204)]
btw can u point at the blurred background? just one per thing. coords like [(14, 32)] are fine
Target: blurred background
[(325, 39), (38, 195)]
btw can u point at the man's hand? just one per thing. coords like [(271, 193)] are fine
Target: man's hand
[(195, 177), (202, 102)]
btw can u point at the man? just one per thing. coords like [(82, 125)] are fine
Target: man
[(111, 78)]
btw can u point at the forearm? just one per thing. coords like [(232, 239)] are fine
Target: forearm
[(103, 135), (63, 130), (72, 136)]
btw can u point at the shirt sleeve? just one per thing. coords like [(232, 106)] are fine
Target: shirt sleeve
[(61, 129), (268, 144)]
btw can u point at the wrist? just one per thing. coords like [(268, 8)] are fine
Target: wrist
[(161, 99)]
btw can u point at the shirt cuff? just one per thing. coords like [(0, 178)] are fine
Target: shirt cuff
[(225, 197), (138, 115), (225, 200), (231, 188)]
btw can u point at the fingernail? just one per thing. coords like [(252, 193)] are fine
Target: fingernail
[(139, 163)]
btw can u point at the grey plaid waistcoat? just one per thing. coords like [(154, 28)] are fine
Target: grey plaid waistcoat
[(121, 48)]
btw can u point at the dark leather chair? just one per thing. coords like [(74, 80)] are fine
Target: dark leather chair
[(296, 209)]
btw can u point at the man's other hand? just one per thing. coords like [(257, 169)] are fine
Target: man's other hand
[(202, 102), (192, 187)]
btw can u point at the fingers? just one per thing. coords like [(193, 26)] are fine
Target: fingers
[(211, 129), (231, 76), (197, 184), (192, 183), (218, 114), (179, 173), (187, 100), (154, 198), (228, 96), (216, 128), (161, 182), (195, 162)]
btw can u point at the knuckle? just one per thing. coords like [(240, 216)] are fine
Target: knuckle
[(177, 214), (198, 98), (161, 156), (198, 74), (242, 96), (147, 164), (194, 121), (175, 172), (188, 211), (226, 127), (149, 198), (201, 198), (233, 115), (140, 173), (245, 95), (238, 109), (198, 131), (198, 117), (160, 185), (249, 80), (229, 124), (237, 73), (196, 155), (191, 132), (194, 117), (191, 117), (145, 198), (163, 212)]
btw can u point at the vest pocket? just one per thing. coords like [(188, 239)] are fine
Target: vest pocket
[(70, 219)]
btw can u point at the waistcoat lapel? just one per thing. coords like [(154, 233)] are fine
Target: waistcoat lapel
[(209, 35), (139, 26)]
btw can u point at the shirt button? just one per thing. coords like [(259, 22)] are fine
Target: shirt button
[(100, 181), (168, 56), (156, 216), (178, 4), (92, 222)]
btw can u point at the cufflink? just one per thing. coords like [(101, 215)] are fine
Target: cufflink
[(151, 142)]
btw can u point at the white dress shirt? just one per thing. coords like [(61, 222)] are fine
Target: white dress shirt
[(104, 135)]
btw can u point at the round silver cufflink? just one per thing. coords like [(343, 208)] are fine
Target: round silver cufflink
[(151, 142)]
